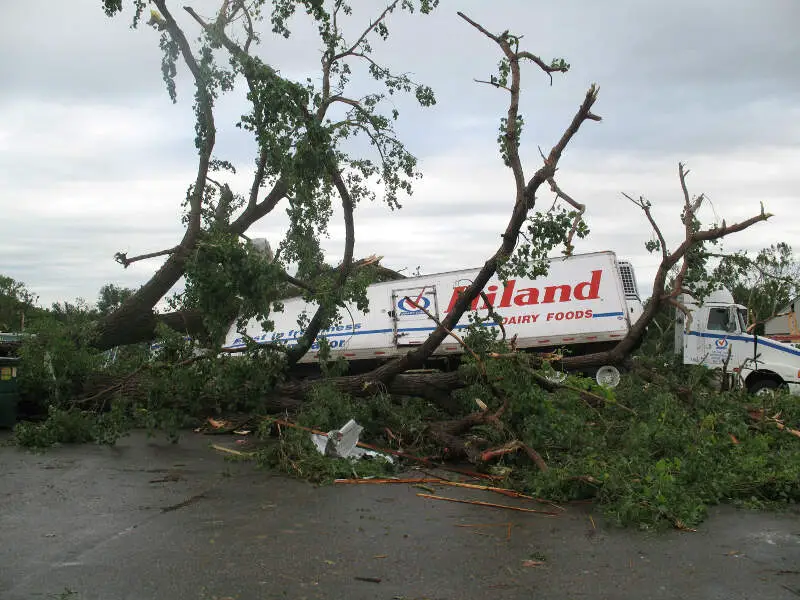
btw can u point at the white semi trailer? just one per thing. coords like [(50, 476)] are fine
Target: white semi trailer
[(585, 302)]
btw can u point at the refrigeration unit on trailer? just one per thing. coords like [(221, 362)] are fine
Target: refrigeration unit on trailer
[(717, 337), (584, 302)]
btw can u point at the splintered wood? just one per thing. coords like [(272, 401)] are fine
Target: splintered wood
[(438, 481), (490, 505)]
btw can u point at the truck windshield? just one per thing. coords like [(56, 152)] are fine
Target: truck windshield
[(718, 319)]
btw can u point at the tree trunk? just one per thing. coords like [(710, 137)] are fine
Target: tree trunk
[(135, 320), (435, 386)]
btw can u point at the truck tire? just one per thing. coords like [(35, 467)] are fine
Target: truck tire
[(607, 375), (763, 385)]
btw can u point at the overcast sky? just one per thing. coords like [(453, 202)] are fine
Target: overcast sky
[(95, 159)]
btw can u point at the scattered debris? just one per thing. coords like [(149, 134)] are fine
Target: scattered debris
[(232, 451), (397, 453), (343, 443), (681, 526), (758, 415), (439, 481), (796, 592), (379, 480), (533, 563), (489, 504), (184, 504)]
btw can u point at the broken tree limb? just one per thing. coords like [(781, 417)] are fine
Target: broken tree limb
[(231, 451), (447, 482), (580, 208), (490, 505), (387, 480), (498, 393), (760, 416), (694, 236), (122, 257), (511, 447), (525, 200)]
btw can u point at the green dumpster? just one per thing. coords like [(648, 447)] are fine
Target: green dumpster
[(9, 392)]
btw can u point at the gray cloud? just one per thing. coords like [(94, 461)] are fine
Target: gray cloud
[(94, 158)]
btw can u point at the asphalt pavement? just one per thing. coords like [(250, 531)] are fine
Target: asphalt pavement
[(148, 520)]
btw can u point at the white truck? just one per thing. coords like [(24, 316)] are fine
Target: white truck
[(717, 335), (586, 302)]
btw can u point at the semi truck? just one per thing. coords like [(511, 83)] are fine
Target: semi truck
[(718, 337), (586, 302)]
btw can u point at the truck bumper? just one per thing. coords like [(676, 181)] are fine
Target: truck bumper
[(794, 387)]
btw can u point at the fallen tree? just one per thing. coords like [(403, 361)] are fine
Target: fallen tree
[(300, 158)]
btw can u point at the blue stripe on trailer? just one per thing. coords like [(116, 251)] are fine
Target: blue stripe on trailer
[(741, 338), (404, 329)]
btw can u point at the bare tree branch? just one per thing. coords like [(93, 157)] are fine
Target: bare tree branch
[(481, 28), (660, 295), (525, 201), (645, 206), (581, 208), (680, 306), (496, 84), (549, 69), (122, 257), (691, 205), (258, 179), (365, 33), (248, 27)]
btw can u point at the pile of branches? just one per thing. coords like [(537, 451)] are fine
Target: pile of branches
[(654, 452)]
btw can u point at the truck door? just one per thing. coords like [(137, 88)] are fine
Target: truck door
[(411, 325), (688, 336), (720, 344)]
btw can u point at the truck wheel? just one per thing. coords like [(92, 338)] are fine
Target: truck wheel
[(608, 376), (763, 386)]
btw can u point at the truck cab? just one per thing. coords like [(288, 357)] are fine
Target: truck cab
[(716, 336)]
